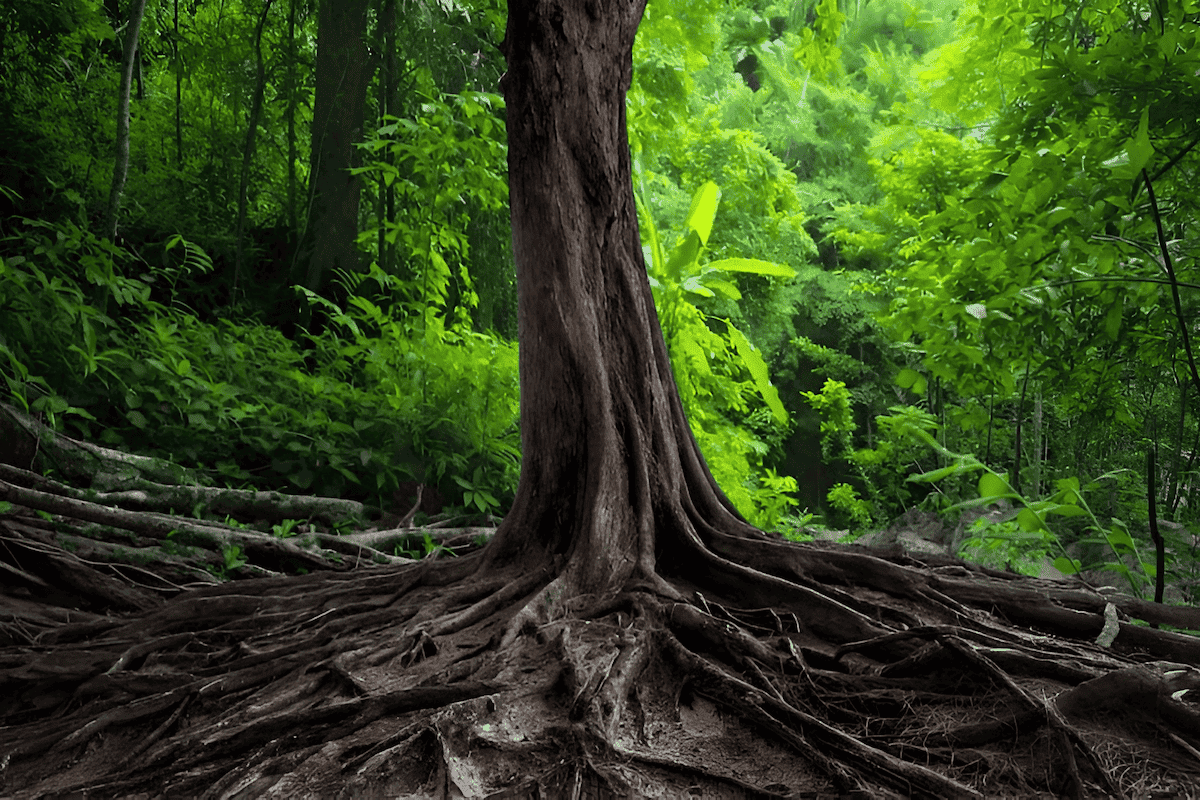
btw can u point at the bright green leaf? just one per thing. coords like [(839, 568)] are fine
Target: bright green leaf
[(1120, 539), (723, 287), (683, 257), (758, 371), (1067, 510), (992, 485), (989, 184), (704, 210), (1029, 521), (944, 472), (1112, 320), (1139, 148), (753, 265), (1067, 566)]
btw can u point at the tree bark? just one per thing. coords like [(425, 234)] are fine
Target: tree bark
[(247, 154), (386, 191), (609, 464), (290, 89), (343, 72), (178, 69), (260, 81), (121, 160)]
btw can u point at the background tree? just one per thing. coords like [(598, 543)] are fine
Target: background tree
[(342, 75), (252, 123), (133, 27)]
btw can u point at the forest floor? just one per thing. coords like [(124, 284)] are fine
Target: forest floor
[(146, 654)]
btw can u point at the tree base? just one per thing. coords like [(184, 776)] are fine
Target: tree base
[(432, 680)]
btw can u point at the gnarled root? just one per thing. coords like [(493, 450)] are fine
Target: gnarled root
[(432, 679)]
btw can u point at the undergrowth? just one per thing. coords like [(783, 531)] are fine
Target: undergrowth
[(92, 340)]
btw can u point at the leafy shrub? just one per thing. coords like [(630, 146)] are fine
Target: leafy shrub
[(353, 416), (722, 378), (456, 389), (56, 285)]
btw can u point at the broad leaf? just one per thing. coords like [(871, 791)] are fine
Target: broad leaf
[(1139, 148), (992, 485), (753, 265), (704, 210), (758, 371), (1029, 521)]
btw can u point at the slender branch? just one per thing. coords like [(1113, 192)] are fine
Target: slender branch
[(1116, 279), (1170, 268), (1155, 534), (1145, 248), (1165, 168)]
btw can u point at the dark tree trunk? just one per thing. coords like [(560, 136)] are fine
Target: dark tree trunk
[(260, 81), (610, 465), (342, 74), (178, 69), (388, 83), (290, 89)]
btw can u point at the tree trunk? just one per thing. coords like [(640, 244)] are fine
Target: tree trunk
[(386, 191), (609, 461), (121, 161), (178, 70), (1174, 477), (290, 88), (343, 72), (260, 81), (1039, 446)]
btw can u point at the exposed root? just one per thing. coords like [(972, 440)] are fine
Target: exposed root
[(307, 685)]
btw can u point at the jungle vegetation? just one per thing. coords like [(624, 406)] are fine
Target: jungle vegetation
[(888, 222), (776, 271)]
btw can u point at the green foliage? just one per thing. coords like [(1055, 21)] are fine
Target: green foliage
[(1020, 252), (711, 369), (234, 559), (172, 547), (285, 529), (422, 546), (56, 284), (1022, 230), (456, 392), (881, 470), (844, 499), (1026, 540), (443, 166), (475, 496), (369, 412), (895, 452), (837, 420), (834, 405)]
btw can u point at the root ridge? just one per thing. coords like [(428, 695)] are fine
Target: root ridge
[(351, 677)]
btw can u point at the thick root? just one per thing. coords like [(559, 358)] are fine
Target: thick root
[(393, 681)]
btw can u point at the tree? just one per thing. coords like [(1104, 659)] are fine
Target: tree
[(252, 123), (601, 419), (342, 74), (121, 161), (625, 630)]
